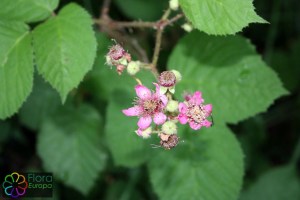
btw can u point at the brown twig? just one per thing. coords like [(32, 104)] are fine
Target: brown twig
[(159, 33), (105, 9)]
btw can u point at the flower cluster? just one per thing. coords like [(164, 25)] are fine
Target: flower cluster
[(158, 106)]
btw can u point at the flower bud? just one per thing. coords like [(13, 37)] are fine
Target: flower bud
[(174, 4), (177, 75), (169, 128), (187, 27), (144, 133), (172, 106), (167, 79), (133, 68)]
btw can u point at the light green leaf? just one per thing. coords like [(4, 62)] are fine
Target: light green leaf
[(127, 148), (229, 73), (16, 66), (42, 102), (277, 184), (220, 17), (70, 146), (208, 165), (27, 10), (147, 10), (65, 48)]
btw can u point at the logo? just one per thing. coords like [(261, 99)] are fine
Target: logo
[(15, 185)]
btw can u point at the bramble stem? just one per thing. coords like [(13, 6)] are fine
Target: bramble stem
[(111, 26)]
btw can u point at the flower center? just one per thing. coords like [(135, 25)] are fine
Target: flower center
[(150, 106), (167, 79), (196, 113)]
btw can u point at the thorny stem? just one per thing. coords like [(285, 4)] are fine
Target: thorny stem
[(111, 26)]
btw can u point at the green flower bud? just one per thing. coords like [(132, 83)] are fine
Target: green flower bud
[(187, 27), (174, 4), (133, 67), (177, 75), (172, 106), (169, 128)]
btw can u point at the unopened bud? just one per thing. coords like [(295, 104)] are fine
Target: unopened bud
[(169, 128), (120, 69), (167, 79), (133, 67), (174, 4), (172, 106), (187, 27)]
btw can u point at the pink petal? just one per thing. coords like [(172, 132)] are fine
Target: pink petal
[(144, 122), (139, 132), (182, 118), (142, 92), (197, 98), (206, 123), (194, 125), (208, 109), (133, 111), (159, 118), (157, 88), (164, 99), (182, 107)]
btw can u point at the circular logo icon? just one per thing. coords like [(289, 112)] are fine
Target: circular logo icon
[(15, 185)]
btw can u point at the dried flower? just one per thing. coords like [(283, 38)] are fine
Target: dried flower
[(168, 141), (118, 57), (147, 106), (193, 111)]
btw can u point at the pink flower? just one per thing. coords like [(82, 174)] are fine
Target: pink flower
[(193, 111), (147, 106)]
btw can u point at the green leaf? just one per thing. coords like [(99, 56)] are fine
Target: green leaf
[(127, 148), (27, 10), (70, 146), (16, 66), (277, 184), (65, 48), (42, 102), (229, 73), (220, 17), (147, 10), (208, 165)]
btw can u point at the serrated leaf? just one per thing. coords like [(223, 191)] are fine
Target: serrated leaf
[(276, 184), (27, 10), (70, 146), (229, 73), (16, 66), (208, 165), (42, 102), (65, 48), (127, 148), (220, 17)]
